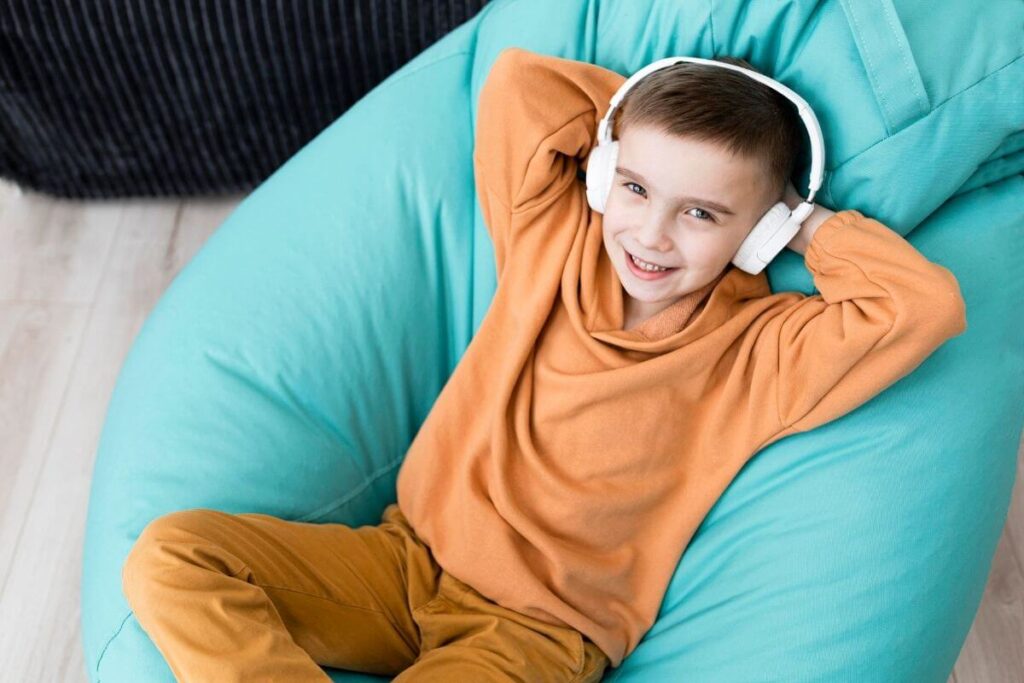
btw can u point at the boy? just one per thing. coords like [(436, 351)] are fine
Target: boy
[(601, 409)]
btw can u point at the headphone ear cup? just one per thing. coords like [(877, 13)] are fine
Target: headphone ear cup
[(601, 173), (770, 236)]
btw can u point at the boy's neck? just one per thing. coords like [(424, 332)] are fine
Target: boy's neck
[(635, 313)]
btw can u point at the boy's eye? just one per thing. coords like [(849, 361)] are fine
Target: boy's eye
[(705, 215), (630, 185)]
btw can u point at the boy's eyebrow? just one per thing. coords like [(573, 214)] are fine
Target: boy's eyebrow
[(697, 200)]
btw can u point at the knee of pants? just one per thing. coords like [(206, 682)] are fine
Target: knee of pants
[(162, 545)]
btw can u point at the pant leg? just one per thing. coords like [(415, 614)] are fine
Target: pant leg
[(252, 597), (467, 637)]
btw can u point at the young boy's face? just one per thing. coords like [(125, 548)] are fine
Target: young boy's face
[(681, 203)]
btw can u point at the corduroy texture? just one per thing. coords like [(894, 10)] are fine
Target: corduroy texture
[(103, 98)]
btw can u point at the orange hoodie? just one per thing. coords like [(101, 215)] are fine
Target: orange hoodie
[(566, 463)]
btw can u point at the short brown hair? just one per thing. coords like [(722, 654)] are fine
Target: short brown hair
[(718, 105)]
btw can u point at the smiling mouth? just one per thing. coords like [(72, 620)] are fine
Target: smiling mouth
[(645, 274), (646, 261)]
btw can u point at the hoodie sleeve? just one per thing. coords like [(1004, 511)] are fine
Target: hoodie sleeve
[(537, 119), (883, 308)]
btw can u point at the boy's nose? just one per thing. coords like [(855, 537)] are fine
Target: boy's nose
[(652, 236)]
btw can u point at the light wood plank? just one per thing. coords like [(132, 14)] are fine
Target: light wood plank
[(54, 250), (38, 346), (41, 598), (994, 649)]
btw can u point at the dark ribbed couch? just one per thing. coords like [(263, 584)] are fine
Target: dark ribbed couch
[(108, 98)]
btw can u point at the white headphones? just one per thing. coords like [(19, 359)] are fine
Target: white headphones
[(776, 228)]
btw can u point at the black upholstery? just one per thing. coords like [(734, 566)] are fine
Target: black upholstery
[(109, 98)]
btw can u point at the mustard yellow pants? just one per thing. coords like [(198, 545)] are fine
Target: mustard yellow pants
[(252, 597)]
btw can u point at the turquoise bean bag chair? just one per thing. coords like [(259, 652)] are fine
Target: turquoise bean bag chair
[(289, 365)]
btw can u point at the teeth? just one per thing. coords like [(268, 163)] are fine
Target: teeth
[(647, 266)]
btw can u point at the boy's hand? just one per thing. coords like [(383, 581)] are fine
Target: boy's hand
[(810, 225)]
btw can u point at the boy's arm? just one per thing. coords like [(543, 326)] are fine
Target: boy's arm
[(883, 309), (537, 119), (810, 225)]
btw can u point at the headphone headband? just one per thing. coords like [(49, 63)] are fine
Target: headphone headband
[(806, 113)]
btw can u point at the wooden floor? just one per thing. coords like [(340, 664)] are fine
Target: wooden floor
[(77, 280)]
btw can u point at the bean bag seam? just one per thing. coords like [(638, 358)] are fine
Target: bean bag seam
[(110, 640), (912, 83), (711, 25), (399, 77), (832, 172), (331, 506)]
